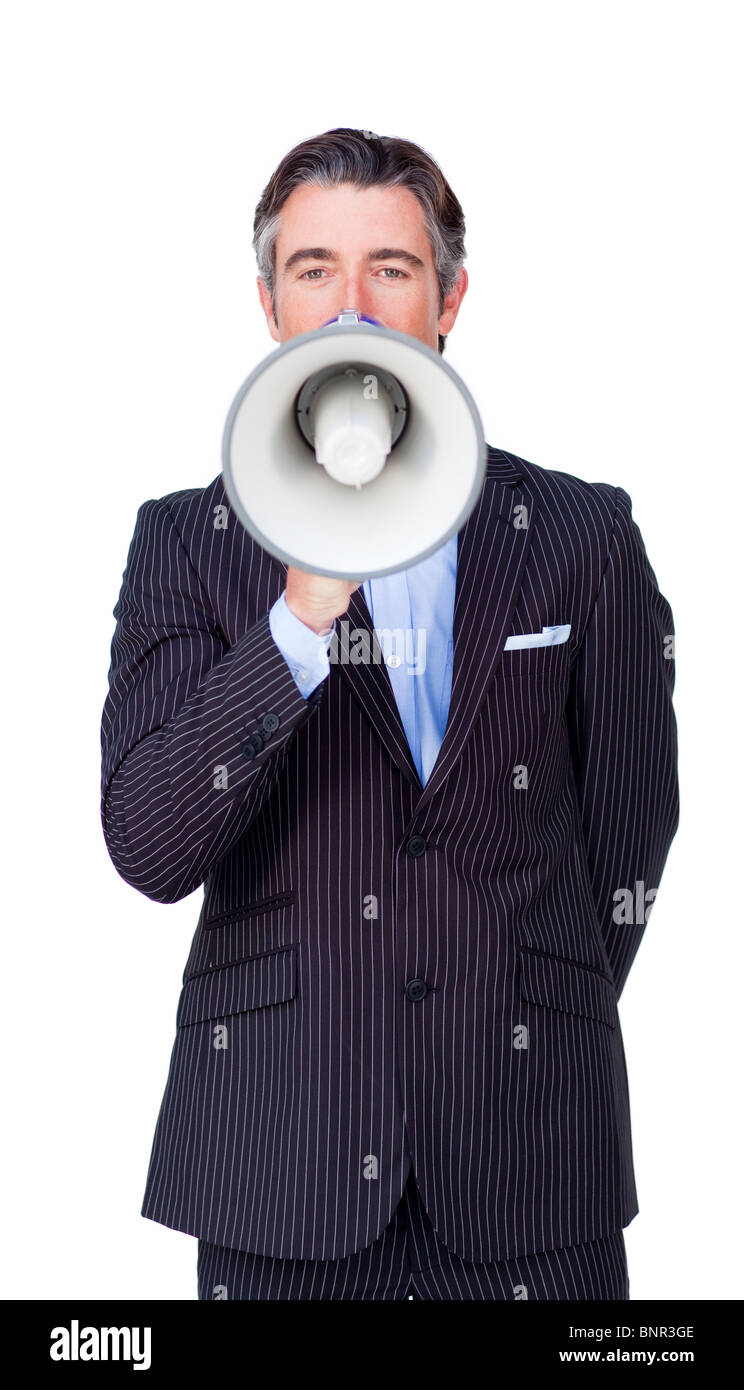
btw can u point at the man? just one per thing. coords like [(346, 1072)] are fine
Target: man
[(398, 1069)]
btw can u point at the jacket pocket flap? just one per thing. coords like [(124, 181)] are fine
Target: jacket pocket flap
[(565, 985), (258, 908), (233, 989)]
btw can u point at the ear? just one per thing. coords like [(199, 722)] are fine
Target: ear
[(452, 302), (265, 298)]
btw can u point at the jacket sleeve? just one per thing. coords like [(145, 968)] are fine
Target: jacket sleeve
[(192, 730), (623, 737)]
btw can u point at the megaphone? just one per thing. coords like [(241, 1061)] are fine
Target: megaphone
[(353, 451)]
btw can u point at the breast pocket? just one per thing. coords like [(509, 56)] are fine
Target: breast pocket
[(535, 663), (249, 984), (529, 696)]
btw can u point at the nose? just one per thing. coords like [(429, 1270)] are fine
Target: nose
[(352, 287)]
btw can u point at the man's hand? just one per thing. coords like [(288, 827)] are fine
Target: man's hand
[(317, 600)]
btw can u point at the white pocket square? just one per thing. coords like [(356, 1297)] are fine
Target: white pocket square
[(549, 637)]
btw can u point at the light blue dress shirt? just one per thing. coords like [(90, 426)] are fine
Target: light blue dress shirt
[(412, 612)]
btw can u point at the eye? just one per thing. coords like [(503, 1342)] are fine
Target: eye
[(316, 270), (394, 272)]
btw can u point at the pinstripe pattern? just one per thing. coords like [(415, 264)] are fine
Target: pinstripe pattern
[(407, 1261), (295, 1137)]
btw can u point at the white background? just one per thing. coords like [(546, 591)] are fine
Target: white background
[(596, 150)]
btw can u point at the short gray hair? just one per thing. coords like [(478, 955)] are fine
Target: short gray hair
[(365, 160)]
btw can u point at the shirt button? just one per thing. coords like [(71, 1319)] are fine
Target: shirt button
[(394, 659), (302, 673), (415, 846), (416, 989)]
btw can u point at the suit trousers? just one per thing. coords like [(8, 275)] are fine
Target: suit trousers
[(408, 1261)]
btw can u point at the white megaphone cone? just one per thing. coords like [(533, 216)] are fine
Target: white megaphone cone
[(353, 451)]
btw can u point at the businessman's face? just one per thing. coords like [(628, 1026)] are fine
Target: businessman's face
[(366, 249)]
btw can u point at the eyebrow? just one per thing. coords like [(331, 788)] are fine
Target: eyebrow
[(381, 253)]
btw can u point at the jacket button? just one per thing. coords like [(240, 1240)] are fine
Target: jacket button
[(416, 989), (255, 743), (269, 723), (415, 846)]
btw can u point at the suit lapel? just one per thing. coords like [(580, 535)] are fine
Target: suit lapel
[(491, 554), (369, 682)]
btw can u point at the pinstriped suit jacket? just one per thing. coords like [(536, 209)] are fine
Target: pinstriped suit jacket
[(308, 1074)]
